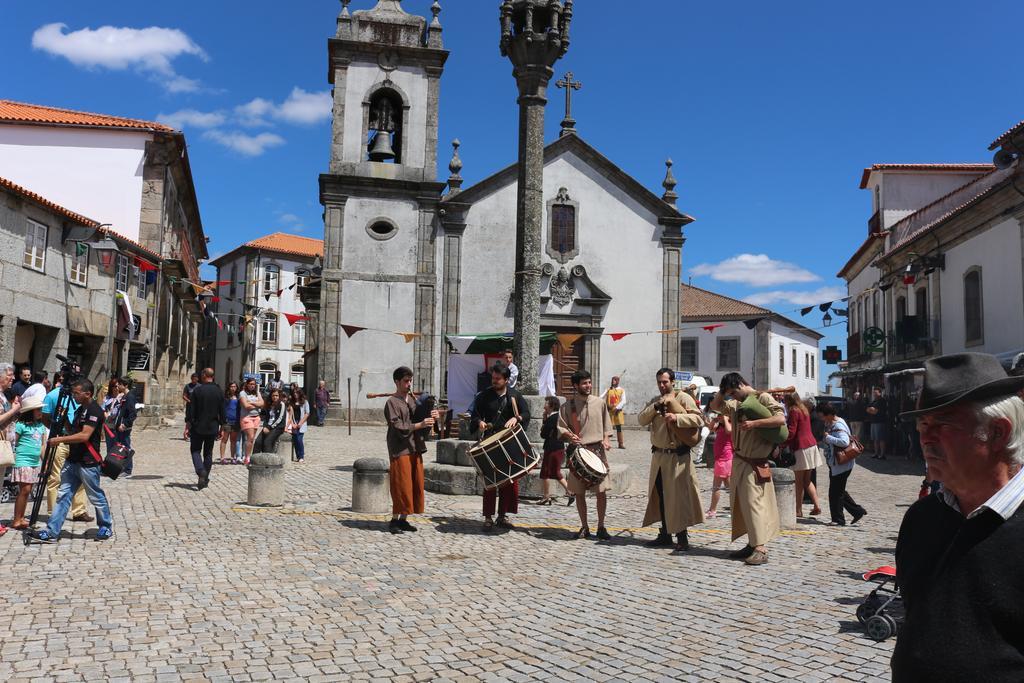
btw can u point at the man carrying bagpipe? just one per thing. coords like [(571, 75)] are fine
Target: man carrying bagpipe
[(759, 426), (674, 498)]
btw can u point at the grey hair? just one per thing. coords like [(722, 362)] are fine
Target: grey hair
[(1007, 408), (5, 368)]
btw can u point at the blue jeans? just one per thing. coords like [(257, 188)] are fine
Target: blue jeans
[(72, 476), (300, 446), (321, 415)]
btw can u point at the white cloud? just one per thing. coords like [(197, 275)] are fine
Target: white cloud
[(243, 143), (795, 298), (291, 221), (301, 107), (192, 118), (149, 50), (756, 270)]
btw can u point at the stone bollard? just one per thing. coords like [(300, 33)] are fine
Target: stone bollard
[(785, 491), (266, 480), (371, 488)]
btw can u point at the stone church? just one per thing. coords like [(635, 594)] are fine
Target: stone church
[(406, 252)]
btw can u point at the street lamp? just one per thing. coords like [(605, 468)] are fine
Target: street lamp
[(827, 319)]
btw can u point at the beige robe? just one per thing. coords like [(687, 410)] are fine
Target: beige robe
[(755, 511), (683, 507)]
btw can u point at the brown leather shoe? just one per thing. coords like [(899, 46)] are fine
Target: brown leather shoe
[(85, 517), (758, 557)]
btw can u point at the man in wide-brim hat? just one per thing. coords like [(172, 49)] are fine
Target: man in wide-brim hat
[(960, 554)]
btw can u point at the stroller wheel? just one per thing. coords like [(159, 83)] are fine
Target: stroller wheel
[(865, 611), (880, 628)]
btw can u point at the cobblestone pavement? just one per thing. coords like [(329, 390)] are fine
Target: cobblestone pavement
[(196, 587)]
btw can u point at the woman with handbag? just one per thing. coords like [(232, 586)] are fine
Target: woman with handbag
[(840, 465), (804, 448)]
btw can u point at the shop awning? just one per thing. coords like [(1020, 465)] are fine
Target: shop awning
[(494, 343)]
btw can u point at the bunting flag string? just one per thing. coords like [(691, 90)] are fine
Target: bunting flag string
[(752, 323), (351, 330), (712, 328), (805, 311), (408, 336), (617, 336), (567, 340), (292, 318)]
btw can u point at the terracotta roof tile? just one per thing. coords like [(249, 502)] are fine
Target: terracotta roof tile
[(20, 112), (39, 199), (700, 304), (952, 168), (1006, 136), (943, 208), (289, 244)]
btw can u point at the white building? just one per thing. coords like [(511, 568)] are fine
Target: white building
[(944, 276), (134, 178), (401, 256), (769, 350), (263, 274)]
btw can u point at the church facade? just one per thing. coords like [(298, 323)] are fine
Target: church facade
[(409, 254)]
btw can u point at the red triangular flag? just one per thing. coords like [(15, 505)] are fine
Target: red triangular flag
[(223, 283), (351, 330), (144, 265), (616, 336), (279, 292), (292, 318), (712, 328)]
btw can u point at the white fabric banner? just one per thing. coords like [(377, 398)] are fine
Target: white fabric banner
[(463, 369)]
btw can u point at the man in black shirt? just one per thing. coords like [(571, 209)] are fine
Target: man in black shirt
[(186, 396), (204, 419), (24, 381), (493, 411), (82, 467)]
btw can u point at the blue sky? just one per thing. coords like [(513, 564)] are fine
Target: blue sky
[(769, 110)]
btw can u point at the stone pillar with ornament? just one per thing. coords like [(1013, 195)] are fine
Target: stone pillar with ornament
[(534, 35)]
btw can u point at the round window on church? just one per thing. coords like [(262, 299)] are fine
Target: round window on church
[(381, 229)]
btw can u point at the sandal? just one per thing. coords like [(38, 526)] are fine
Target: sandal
[(20, 525), (815, 512), (584, 532)]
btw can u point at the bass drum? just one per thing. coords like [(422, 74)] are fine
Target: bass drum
[(587, 466), (504, 457)]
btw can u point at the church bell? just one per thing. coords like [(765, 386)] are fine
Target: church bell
[(381, 150)]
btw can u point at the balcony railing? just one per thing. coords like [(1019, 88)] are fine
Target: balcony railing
[(913, 337), (875, 223)]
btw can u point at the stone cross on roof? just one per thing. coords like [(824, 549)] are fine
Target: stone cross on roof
[(568, 84)]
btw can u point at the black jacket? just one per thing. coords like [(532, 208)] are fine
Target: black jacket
[(127, 415), (205, 413), (496, 411)]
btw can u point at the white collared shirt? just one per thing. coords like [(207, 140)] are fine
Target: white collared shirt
[(1004, 503)]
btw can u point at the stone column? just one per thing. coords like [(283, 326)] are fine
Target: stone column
[(8, 329), (426, 296), (454, 228), (672, 264), (532, 81), (329, 327)]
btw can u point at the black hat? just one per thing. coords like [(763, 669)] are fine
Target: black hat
[(962, 377)]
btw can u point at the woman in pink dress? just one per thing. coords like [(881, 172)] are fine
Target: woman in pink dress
[(723, 461)]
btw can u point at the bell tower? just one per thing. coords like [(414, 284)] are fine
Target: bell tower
[(380, 196)]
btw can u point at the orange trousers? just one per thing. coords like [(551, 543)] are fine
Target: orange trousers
[(406, 475)]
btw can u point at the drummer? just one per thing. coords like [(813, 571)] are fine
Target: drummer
[(500, 407), (584, 421), (673, 496)]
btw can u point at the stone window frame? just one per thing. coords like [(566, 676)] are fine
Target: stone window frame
[(301, 373), (35, 252), (364, 141), (268, 269), (782, 359), (718, 354), (302, 276), (378, 236), (795, 355), (296, 328), (78, 271), (269, 323), (268, 371), (683, 365), (563, 198), (980, 339)]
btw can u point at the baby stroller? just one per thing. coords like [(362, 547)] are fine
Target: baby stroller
[(873, 613), (8, 489)]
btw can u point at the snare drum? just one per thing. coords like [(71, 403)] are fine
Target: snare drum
[(587, 466), (504, 457)]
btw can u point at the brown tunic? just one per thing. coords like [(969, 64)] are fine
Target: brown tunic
[(401, 438), (755, 511)]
